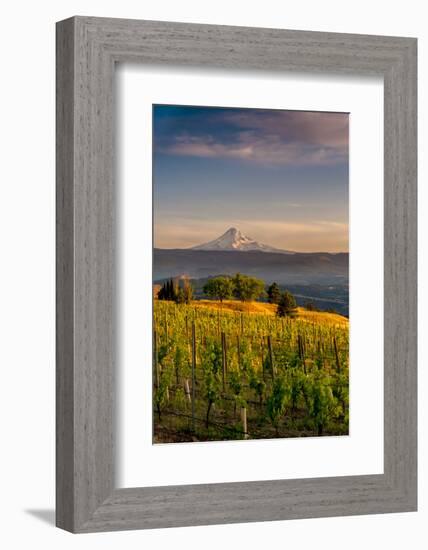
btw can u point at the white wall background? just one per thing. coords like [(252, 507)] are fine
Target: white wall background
[(27, 272)]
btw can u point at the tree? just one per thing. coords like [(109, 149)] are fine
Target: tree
[(161, 293), (179, 296), (184, 293), (173, 289), (187, 291), (287, 305), (168, 291), (220, 288), (247, 288), (274, 294)]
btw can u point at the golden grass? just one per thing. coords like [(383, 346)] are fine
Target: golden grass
[(322, 317), (237, 306), (263, 308)]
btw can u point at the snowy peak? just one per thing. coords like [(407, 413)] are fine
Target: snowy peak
[(233, 239)]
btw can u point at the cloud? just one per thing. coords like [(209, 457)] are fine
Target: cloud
[(327, 130), (267, 150), (264, 137)]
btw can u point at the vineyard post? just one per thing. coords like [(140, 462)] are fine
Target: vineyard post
[(244, 421), (155, 359), (336, 354), (225, 353), (262, 356), (177, 375), (187, 390), (193, 374), (223, 358), (322, 349), (271, 360), (301, 351), (238, 344)]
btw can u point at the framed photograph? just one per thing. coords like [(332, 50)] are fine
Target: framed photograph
[(236, 274), (258, 331)]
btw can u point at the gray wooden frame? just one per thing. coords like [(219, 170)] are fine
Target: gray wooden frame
[(87, 50)]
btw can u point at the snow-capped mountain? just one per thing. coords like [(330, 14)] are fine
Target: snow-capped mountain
[(233, 239)]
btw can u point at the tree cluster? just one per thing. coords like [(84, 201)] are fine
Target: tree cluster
[(168, 291), (175, 292), (241, 287)]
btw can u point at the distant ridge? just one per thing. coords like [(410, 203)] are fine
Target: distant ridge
[(299, 268), (234, 240)]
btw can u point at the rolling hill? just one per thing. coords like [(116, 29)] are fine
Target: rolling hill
[(302, 314)]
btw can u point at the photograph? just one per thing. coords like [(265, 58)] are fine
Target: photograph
[(250, 273)]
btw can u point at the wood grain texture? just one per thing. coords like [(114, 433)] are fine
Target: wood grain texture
[(64, 276), (87, 49)]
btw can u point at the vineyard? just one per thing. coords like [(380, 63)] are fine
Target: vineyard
[(222, 373)]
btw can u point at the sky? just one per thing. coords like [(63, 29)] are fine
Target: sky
[(281, 177)]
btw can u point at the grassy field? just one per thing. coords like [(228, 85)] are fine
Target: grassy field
[(263, 308), (234, 370)]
